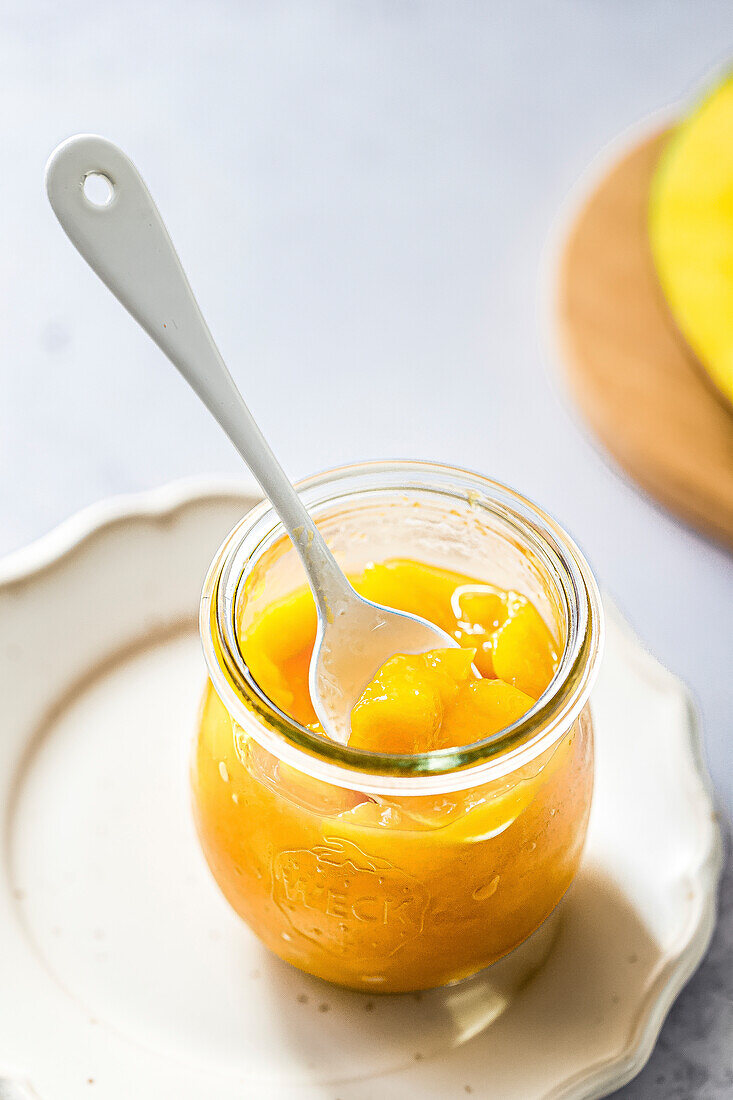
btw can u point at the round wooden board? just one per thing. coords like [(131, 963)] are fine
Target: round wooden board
[(630, 370)]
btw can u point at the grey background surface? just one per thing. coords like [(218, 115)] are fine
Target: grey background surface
[(362, 193)]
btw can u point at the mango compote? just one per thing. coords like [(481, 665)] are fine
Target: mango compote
[(397, 893)]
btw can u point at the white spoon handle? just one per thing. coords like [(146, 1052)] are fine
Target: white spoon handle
[(127, 244)]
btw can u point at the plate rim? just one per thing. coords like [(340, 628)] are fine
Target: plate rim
[(156, 503), (162, 502), (615, 1072)]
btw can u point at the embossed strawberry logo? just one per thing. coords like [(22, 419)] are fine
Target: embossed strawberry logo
[(345, 900)]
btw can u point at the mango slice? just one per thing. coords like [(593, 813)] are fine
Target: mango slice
[(512, 640), (480, 611), (402, 709), (412, 586), (524, 652), (482, 707), (278, 648), (691, 231)]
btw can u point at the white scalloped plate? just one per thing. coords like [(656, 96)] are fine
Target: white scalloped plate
[(121, 966)]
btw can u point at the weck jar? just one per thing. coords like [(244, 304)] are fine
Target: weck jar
[(381, 871)]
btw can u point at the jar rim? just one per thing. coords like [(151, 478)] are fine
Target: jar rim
[(422, 773)]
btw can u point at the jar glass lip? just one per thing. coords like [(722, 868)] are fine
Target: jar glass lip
[(441, 769)]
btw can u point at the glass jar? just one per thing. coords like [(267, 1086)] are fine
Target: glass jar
[(382, 871)]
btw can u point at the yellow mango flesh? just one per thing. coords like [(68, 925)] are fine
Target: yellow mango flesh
[(481, 708), (691, 231), (405, 707), (523, 654), (392, 892), (424, 702)]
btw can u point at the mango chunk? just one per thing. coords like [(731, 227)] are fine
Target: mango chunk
[(524, 652), (431, 701), (511, 638), (402, 709), (284, 628), (480, 611), (277, 648), (481, 708), (691, 231), (414, 587)]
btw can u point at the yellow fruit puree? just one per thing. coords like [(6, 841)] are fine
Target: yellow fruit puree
[(397, 893)]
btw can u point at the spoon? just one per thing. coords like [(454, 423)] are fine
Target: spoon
[(107, 212)]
